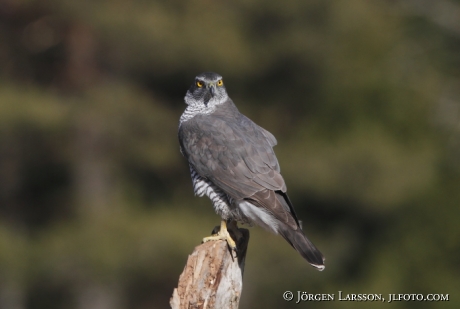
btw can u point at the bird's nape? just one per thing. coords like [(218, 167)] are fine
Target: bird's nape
[(232, 161)]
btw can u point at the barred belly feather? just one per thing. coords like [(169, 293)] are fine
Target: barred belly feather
[(220, 200), (232, 161)]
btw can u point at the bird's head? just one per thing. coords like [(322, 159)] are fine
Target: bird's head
[(207, 90)]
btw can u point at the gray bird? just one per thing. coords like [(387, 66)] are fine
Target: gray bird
[(232, 161)]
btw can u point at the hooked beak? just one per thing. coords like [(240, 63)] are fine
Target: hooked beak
[(212, 89)]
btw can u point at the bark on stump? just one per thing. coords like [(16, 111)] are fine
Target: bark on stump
[(213, 276)]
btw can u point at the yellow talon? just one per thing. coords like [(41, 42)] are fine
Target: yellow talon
[(222, 235)]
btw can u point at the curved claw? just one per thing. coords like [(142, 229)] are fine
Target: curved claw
[(223, 234)]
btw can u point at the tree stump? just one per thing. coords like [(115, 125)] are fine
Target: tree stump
[(213, 276)]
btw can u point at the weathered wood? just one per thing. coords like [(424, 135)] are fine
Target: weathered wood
[(213, 276)]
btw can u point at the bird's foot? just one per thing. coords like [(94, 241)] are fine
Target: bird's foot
[(222, 234)]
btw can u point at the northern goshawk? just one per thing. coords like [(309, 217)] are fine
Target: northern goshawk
[(232, 161)]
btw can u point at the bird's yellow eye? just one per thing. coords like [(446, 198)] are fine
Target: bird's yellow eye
[(220, 82), (199, 84)]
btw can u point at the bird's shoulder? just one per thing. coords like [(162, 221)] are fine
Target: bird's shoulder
[(232, 151), (227, 127)]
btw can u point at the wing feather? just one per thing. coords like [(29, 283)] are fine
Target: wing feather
[(237, 155)]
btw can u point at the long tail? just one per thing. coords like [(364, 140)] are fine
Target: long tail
[(303, 245)]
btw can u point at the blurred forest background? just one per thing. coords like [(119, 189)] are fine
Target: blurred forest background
[(96, 204)]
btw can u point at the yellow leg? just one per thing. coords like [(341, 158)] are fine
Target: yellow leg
[(222, 235)]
